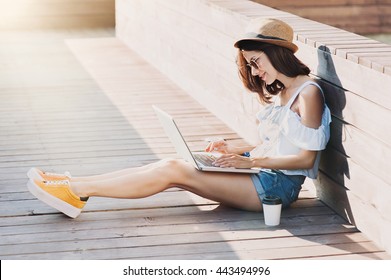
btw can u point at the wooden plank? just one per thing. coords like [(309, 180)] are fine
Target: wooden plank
[(156, 235), (59, 13), (365, 216), (312, 38), (354, 142), (344, 13), (41, 224), (344, 52), (273, 254), (347, 174), (347, 74), (306, 3), (365, 58), (355, 110), (380, 64), (252, 249), (354, 257), (332, 46), (357, 41), (153, 245)]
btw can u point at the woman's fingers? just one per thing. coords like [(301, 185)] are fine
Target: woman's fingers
[(233, 160), (217, 146), (225, 160)]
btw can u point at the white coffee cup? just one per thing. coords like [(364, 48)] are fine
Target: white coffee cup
[(272, 210)]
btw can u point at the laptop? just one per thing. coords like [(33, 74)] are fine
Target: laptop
[(201, 160)]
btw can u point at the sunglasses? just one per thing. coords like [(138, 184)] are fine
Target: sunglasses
[(253, 62)]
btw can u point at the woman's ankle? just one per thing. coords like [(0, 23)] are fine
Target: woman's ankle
[(78, 188)]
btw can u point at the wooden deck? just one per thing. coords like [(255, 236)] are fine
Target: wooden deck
[(84, 105)]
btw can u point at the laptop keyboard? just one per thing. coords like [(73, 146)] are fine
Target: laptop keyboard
[(206, 160)]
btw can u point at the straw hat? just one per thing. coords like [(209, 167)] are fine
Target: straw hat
[(271, 31)]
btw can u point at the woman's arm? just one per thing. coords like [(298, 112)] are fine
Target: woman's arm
[(224, 147), (304, 160), (243, 149)]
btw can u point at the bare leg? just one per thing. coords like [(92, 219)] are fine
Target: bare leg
[(111, 175), (236, 190)]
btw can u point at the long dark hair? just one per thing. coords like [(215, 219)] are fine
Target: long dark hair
[(282, 59)]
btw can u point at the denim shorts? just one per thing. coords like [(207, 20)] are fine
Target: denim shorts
[(274, 182)]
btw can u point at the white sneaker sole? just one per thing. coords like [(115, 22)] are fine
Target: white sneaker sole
[(33, 174), (53, 201)]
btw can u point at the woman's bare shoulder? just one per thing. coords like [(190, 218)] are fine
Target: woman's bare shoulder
[(311, 105)]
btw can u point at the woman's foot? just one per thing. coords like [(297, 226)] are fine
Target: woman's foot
[(58, 194), (37, 174)]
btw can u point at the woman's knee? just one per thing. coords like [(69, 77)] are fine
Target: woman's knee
[(172, 169), (170, 163)]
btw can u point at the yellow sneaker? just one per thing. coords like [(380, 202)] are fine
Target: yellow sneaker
[(36, 174), (58, 195)]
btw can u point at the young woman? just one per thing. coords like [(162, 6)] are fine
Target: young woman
[(293, 127)]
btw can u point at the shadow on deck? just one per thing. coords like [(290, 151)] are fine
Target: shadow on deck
[(84, 105)]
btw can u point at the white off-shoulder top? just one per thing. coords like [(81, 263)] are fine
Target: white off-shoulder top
[(282, 133)]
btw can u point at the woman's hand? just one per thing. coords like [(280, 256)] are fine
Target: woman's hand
[(220, 146), (234, 160)]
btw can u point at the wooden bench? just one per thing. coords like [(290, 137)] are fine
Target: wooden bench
[(358, 16), (191, 42), (30, 14)]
